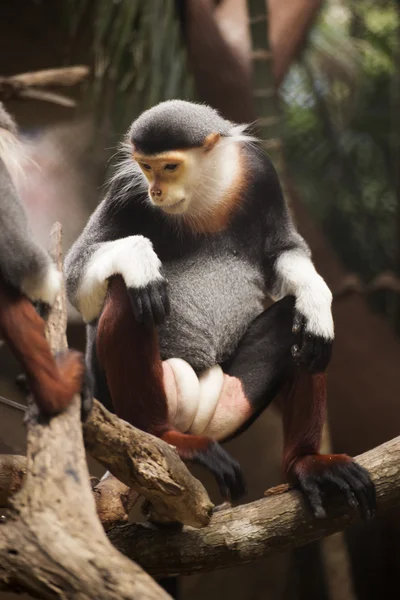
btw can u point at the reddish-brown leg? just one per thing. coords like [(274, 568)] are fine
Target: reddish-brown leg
[(318, 475), (128, 354)]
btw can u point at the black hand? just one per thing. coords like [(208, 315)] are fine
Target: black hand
[(150, 304), (311, 351)]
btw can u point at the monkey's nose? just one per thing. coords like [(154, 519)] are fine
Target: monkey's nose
[(156, 192)]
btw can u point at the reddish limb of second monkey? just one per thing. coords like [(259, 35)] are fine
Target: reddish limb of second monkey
[(316, 474), (53, 381), (128, 353)]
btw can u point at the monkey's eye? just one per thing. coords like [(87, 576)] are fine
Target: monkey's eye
[(171, 167), (146, 167)]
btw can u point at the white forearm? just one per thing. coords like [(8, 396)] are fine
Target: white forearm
[(296, 276), (132, 257)]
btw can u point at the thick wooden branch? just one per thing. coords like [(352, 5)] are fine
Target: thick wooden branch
[(52, 544), (149, 466), (252, 531), (142, 462), (114, 500)]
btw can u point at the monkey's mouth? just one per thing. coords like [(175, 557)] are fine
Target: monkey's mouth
[(174, 207)]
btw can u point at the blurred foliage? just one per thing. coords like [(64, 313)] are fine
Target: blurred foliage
[(138, 55), (341, 130)]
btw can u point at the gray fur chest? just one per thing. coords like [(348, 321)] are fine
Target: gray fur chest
[(213, 300)]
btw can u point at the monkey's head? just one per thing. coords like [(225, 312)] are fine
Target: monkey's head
[(184, 153)]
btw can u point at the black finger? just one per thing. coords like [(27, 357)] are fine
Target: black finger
[(222, 486), (314, 353), (157, 305), (363, 488), (361, 495), (225, 469), (148, 319), (369, 485), (231, 481), (136, 303), (344, 487), (238, 485), (313, 496)]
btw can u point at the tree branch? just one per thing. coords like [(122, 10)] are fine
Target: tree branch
[(149, 466), (53, 545), (114, 500), (24, 85), (140, 461), (245, 533)]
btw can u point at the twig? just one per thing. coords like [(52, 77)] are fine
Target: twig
[(245, 533), (63, 76), (24, 85)]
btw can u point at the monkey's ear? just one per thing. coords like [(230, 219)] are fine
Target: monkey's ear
[(211, 140)]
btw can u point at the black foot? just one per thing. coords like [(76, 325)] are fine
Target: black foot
[(150, 304), (225, 469), (346, 478), (311, 351)]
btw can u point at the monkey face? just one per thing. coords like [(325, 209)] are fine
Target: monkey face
[(165, 176), (180, 180)]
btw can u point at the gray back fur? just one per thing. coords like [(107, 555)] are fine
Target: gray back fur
[(20, 255)]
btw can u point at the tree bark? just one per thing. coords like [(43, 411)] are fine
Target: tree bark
[(149, 466), (139, 461), (52, 544), (249, 532)]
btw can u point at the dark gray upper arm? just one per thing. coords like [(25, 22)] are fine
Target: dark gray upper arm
[(280, 233), (20, 255)]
